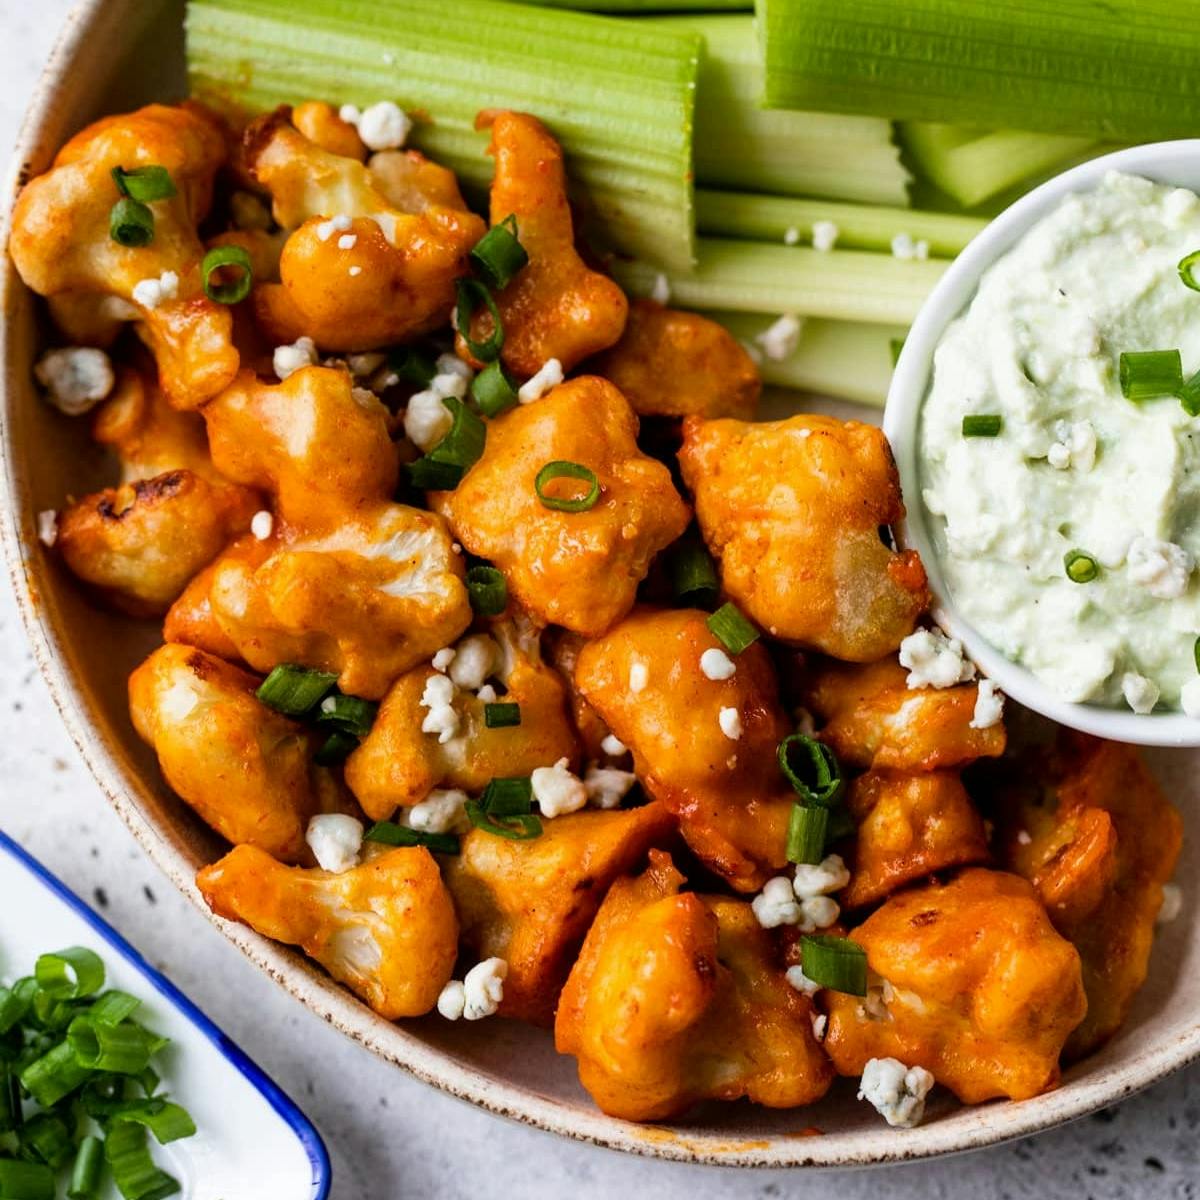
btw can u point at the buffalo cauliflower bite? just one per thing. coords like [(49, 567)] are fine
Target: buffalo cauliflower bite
[(1089, 826), (315, 442), (62, 248), (580, 570), (368, 598), (562, 648), (792, 509), (975, 986), (872, 718), (323, 125), (357, 271), (386, 928), (531, 902), (244, 768), (556, 307), (140, 543), (672, 364), (412, 183), (909, 826), (400, 762), (645, 680), (677, 998)]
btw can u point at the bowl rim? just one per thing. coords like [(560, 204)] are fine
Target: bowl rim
[(966, 1129), (901, 422)]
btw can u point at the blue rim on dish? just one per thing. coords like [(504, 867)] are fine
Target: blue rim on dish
[(284, 1106)]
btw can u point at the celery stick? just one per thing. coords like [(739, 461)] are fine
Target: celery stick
[(649, 6), (1118, 69), (845, 359), (971, 166), (619, 96), (845, 285), (738, 144), (859, 226)]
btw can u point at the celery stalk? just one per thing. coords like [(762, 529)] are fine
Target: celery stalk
[(844, 285), (972, 166), (845, 359), (1119, 69), (860, 226), (739, 144), (619, 96), (649, 6)]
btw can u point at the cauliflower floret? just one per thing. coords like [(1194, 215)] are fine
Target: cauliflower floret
[(330, 129), (576, 569), (895, 1091), (335, 840), (672, 364), (556, 307), (386, 928), (400, 762), (732, 801), (677, 998), (397, 279), (792, 509), (76, 378), (61, 245), (243, 767)]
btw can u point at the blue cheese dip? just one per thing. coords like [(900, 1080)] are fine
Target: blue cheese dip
[(1076, 466)]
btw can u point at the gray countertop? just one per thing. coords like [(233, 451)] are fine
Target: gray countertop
[(391, 1137)]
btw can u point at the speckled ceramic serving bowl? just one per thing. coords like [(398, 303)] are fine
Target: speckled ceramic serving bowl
[(1175, 163), (115, 54)]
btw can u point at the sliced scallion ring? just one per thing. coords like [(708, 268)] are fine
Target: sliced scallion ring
[(1148, 374), (26, 1180), (732, 629), (807, 831), (443, 468), (896, 346), (127, 1153), (335, 749), (131, 223), (352, 714), (87, 1169), (472, 294), (123, 1049), (693, 574), (982, 425), (46, 1138), (520, 827), (834, 962), (1196, 653), (1187, 270), (295, 691), (487, 591), (1080, 566), (1189, 396), (562, 469), (494, 390), (145, 183), (412, 365), (508, 796), (499, 255), (501, 716), (388, 833), (223, 258), (70, 974), (811, 768)]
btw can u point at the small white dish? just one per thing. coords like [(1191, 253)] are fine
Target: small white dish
[(251, 1141), (1175, 163)]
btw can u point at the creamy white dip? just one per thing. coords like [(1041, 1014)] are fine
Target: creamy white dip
[(1076, 466)]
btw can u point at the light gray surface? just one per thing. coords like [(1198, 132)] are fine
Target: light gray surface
[(390, 1137)]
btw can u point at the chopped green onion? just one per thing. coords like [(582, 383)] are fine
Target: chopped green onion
[(26, 1181), (55, 1075), (807, 831), (443, 468), (693, 574), (732, 629), (133, 1170), (221, 258), (70, 974), (896, 346), (123, 1049), (85, 1174), (46, 1138), (388, 833), (1189, 396), (1080, 566), (148, 1080), (501, 716), (295, 691), (521, 827), (1187, 270), (487, 590), (144, 183), (351, 714), (817, 777), (982, 425), (113, 1007), (494, 390), (10, 1102), (507, 797), (335, 749), (562, 469), (167, 1121), (1148, 374), (471, 294), (498, 255), (1196, 653), (15, 1002), (834, 962), (131, 223), (412, 365)]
